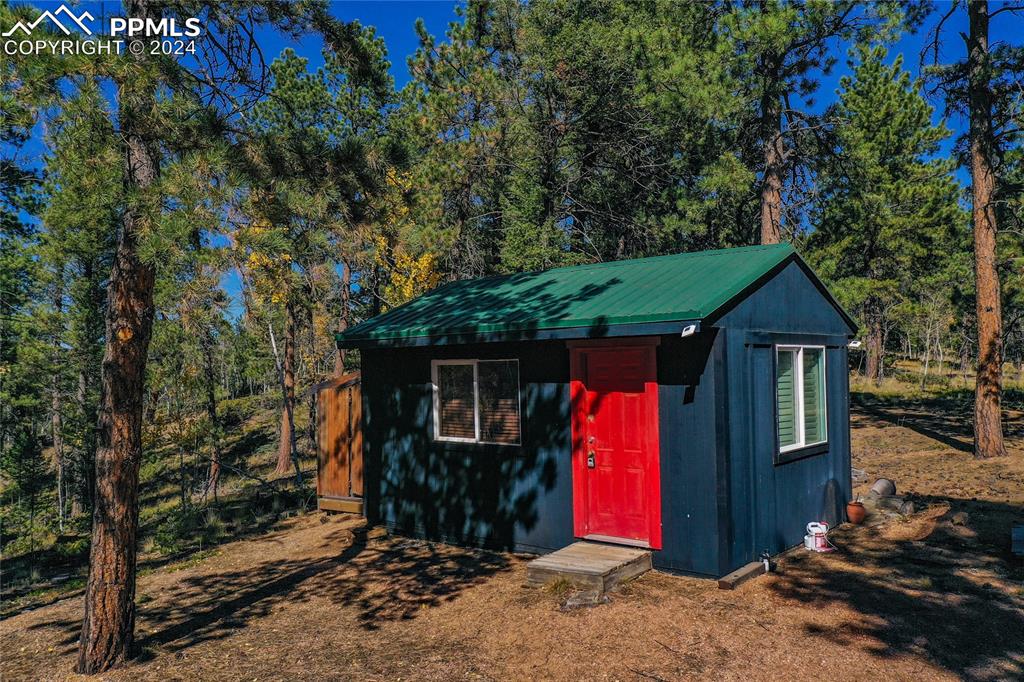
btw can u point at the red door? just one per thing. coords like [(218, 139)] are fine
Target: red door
[(616, 478)]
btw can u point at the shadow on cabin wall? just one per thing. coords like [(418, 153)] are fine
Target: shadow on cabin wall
[(520, 497), (496, 496), (502, 497)]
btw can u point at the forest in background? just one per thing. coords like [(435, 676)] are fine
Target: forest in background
[(532, 135)]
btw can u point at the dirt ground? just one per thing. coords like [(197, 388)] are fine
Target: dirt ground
[(919, 598)]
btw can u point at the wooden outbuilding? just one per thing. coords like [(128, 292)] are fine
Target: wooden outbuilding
[(339, 481), (694, 404)]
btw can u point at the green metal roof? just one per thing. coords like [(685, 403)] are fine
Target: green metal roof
[(683, 287)]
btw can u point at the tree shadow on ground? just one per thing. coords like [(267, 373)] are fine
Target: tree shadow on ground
[(924, 587), (383, 580), (934, 418)]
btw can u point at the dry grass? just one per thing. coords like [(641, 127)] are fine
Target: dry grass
[(314, 599)]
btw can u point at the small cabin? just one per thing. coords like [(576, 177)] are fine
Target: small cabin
[(693, 404)]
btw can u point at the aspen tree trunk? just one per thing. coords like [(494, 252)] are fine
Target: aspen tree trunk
[(927, 356), (287, 448), (774, 159), (108, 629), (988, 428)]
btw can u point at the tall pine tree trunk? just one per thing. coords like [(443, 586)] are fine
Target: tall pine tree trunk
[(108, 628), (210, 372), (84, 472), (771, 185), (988, 429), (152, 404), (86, 352), (57, 427)]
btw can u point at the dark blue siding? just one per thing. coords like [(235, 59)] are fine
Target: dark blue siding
[(770, 504), (689, 455), (789, 302), (498, 496)]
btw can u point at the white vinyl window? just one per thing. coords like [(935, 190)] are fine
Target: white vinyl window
[(800, 396), (476, 401)]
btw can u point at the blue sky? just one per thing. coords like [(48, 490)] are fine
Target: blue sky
[(395, 21)]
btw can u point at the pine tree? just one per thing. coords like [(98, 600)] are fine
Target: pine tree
[(157, 106), (82, 194), (689, 85), (779, 48), (455, 119), (24, 348), (314, 162), (888, 204)]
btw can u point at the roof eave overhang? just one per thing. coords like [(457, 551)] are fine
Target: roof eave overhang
[(552, 334)]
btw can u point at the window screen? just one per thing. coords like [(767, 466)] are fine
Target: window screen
[(455, 401), (498, 385)]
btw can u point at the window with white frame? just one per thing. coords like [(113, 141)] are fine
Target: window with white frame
[(476, 401), (800, 396)]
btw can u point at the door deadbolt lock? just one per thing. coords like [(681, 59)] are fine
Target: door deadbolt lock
[(591, 460)]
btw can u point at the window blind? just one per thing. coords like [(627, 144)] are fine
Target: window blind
[(456, 401), (800, 396), (498, 386), (814, 396), (786, 398)]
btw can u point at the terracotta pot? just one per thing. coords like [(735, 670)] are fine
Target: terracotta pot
[(855, 512)]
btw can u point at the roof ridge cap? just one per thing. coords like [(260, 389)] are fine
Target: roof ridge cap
[(688, 254), (612, 263)]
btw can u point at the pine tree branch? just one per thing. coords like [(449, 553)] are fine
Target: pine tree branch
[(1006, 8)]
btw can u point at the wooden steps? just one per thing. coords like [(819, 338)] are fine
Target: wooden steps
[(349, 505), (589, 565)]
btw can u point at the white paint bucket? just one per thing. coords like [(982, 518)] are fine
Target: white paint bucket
[(816, 539)]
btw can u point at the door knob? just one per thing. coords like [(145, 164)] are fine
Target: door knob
[(591, 460)]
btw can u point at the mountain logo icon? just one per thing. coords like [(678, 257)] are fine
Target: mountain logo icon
[(69, 16)]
